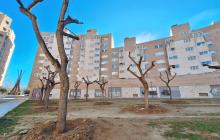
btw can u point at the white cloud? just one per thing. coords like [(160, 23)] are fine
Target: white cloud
[(145, 37), (204, 15)]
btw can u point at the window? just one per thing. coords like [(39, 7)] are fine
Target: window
[(97, 61), (212, 53), (173, 57), (175, 66), (96, 68), (97, 49), (189, 49), (158, 46), (200, 44), (192, 58), (104, 62), (96, 54), (105, 44), (114, 73), (146, 56), (104, 56), (114, 66), (161, 62), (206, 62), (172, 49), (104, 50), (146, 48), (115, 54), (159, 53), (7, 22), (203, 94), (114, 59), (115, 91), (203, 53), (161, 69), (98, 93), (194, 67), (209, 44)]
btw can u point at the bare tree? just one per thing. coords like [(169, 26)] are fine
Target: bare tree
[(211, 67), (76, 87), (167, 80), (48, 85), (60, 65), (102, 83), (87, 82), (142, 76), (42, 88)]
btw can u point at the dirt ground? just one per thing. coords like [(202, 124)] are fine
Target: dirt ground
[(111, 122)]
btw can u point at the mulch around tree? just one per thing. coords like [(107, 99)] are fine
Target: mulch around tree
[(176, 102), (78, 129), (140, 109), (103, 103)]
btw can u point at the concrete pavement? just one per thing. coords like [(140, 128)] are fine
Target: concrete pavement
[(9, 103)]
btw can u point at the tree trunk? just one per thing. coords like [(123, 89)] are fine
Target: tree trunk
[(75, 95), (87, 89), (62, 112), (146, 101), (170, 92), (103, 95), (47, 96)]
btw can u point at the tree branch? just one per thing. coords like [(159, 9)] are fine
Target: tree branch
[(152, 65), (162, 78), (132, 72), (35, 2), (132, 59), (71, 36), (70, 20), (40, 39)]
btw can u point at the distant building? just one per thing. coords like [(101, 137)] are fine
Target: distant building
[(185, 50), (7, 45)]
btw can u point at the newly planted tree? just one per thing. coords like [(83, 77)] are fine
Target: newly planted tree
[(102, 83), (76, 87), (87, 82), (142, 76), (167, 80), (48, 83), (59, 63)]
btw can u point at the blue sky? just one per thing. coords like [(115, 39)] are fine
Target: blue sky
[(145, 19)]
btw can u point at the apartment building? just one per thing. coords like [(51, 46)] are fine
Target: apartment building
[(7, 45), (185, 50)]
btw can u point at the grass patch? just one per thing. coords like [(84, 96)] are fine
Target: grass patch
[(194, 129), (8, 122)]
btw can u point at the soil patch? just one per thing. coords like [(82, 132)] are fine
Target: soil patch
[(175, 102), (140, 109), (103, 103), (79, 129), (41, 109)]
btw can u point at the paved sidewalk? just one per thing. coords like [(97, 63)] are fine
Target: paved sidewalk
[(8, 104)]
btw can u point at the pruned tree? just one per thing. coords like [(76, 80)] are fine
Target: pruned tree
[(48, 83), (167, 80), (87, 82), (76, 87), (211, 67), (16, 89), (102, 83), (59, 64), (142, 77)]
